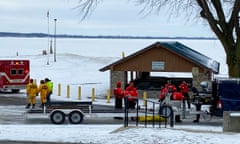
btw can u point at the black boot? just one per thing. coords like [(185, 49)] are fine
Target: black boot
[(43, 105), (177, 118), (33, 106), (197, 119), (27, 106)]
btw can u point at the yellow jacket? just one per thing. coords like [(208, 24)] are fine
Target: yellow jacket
[(43, 90), (32, 89)]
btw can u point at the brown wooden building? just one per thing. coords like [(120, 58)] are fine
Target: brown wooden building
[(161, 57)]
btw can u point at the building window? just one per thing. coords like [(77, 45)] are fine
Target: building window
[(158, 65)]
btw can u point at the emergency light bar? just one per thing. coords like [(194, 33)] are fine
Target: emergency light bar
[(17, 62)]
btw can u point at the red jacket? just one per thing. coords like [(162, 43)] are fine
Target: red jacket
[(132, 92), (163, 92), (184, 88), (171, 88), (118, 93), (177, 96), (167, 88)]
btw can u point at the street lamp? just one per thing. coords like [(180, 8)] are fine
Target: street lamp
[(55, 22)]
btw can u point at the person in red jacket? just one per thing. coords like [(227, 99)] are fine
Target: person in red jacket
[(168, 88), (177, 96), (184, 90), (163, 93), (132, 95), (171, 91), (118, 93)]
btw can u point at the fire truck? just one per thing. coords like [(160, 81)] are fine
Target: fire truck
[(14, 75)]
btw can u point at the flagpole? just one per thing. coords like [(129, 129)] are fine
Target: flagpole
[(48, 39), (55, 53)]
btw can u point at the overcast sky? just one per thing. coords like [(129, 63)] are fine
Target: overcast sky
[(112, 17)]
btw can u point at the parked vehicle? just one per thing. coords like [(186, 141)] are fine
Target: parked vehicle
[(14, 74), (228, 94), (221, 95)]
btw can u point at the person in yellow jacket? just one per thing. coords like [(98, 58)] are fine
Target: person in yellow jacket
[(32, 92), (43, 91)]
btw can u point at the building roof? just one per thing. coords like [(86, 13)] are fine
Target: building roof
[(180, 49)]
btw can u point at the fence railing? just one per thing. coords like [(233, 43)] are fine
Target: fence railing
[(163, 112)]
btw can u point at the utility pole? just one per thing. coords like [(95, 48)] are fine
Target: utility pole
[(55, 22), (48, 39)]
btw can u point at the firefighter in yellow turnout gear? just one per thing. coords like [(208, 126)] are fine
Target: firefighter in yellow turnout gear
[(43, 89), (32, 92)]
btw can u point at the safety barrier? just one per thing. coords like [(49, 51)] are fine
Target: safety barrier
[(79, 89), (79, 93), (162, 113)]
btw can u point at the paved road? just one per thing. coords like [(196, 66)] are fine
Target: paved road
[(12, 108), (12, 99)]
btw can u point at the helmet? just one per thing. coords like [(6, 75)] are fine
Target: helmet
[(42, 81), (119, 84), (31, 80), (47, 79)]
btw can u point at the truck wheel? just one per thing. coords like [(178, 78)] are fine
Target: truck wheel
[(75, 117), (166, 111), (57, 117)]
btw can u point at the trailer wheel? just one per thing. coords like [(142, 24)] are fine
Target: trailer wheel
[(75, 117), (166, 111), (57, 117)]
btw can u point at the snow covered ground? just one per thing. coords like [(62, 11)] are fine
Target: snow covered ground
[(78, 63), (111, 134)]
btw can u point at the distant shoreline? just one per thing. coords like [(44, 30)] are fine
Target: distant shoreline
[(44, 35)]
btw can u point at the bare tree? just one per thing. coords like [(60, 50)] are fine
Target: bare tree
[(86, 7), (221, 15)]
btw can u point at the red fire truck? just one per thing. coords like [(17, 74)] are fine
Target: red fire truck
[(14, 75)]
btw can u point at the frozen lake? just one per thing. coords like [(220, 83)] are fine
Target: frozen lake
[(107, 48)]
